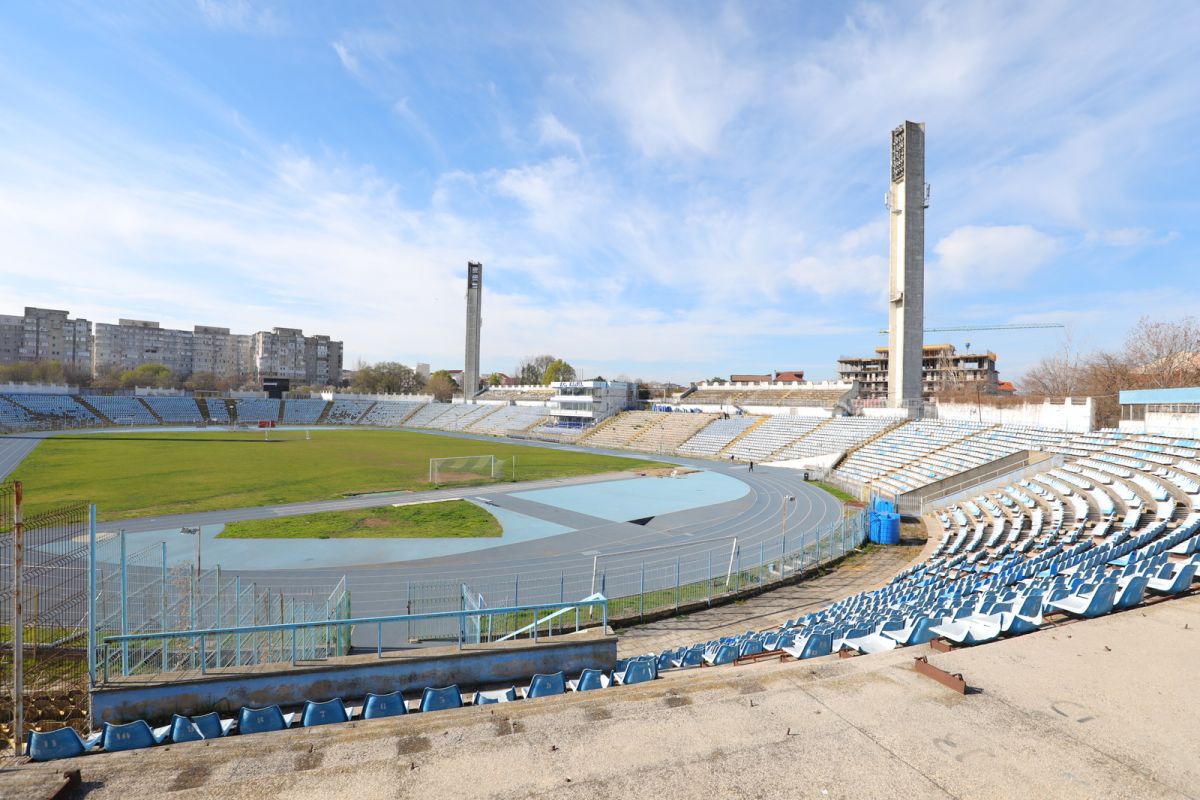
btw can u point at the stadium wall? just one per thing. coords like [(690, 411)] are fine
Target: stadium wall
[(1074, 414), (1170, 423), (353, 677)]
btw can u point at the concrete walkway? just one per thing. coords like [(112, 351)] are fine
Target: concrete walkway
[(867, 570), (1089, 710)]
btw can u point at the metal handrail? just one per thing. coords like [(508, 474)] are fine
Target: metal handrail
[(201, 634)]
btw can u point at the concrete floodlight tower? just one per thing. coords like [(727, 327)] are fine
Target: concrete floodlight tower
[(906, 201), (470, 385)]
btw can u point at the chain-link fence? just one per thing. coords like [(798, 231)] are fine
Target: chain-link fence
[(43, 617), (639, 583), (141, 591)]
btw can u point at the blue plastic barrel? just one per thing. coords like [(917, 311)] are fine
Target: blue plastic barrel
[(889, 528)]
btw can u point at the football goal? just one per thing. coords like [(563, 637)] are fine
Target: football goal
[(465, 469)]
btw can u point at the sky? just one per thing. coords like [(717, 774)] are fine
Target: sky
[(665, 190)]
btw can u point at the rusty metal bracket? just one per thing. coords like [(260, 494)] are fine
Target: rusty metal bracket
[(70, 780), (941, 645), (848, 652), (950, 681)]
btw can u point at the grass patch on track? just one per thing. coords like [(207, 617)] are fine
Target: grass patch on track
[(149, 474), (836, 492), (453, 519)]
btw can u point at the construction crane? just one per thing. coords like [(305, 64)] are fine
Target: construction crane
[(961, 328)]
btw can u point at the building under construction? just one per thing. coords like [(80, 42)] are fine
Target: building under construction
[(943, 369)]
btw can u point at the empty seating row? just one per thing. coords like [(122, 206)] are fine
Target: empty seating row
[(257, 409), (122, 410), (672, 430), (717, 435), (621, 430), (776, 434), (175, 409), (835, 436), (138, 734), (391, 413), (303, 412), (347, 412), (55, 410), (509, 418)]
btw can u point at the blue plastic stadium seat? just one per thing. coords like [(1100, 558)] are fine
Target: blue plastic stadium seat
[(544, 686), (811, 646), (328, 712), (725, 654), (263, 720), (588, 680), (62, 743), (635, 672), (193, 729), (691, 658), (384, 705), (441, 699), (494, 696), (131, 736)]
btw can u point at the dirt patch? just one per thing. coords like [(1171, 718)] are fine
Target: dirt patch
[(190, 778), (664, 472), (675, 701), (507, 727), (412, 744), (597, 714), (374, 522), (309, 760)]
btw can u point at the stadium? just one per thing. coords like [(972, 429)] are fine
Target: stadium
[(761, 587)]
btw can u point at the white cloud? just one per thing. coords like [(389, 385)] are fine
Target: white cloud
[(987, 256), (346, 57), (673, 87), (551, 131), (240, 16), (1128, 237)]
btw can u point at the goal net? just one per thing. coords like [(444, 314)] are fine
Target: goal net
[(465, 469)]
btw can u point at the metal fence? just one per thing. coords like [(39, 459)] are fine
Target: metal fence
[(650, 580), (141, 592), (43, 617)]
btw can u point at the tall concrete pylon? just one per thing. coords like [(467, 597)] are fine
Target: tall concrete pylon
[(470, 385), (906, 202)]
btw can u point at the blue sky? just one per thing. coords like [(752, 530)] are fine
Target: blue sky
[(660, 190)]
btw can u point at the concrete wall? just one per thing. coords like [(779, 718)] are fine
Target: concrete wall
[(1171, 424), (37, 388), (912, 503), (1075, 414), (407, 398), (351, 678)]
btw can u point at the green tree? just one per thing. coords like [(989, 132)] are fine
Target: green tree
[(156, 375), (558, 370), (386, 377), (532, 369), (494, 379)]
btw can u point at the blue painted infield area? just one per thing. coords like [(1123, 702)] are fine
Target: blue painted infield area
[(621, 501)]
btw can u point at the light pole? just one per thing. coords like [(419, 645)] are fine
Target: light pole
[(787, 498), (194, 530)]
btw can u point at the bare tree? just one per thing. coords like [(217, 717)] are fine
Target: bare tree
[(1060, 374), (532, 369), (1165, 354)]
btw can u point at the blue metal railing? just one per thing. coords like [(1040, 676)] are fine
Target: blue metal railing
[(292, 628)]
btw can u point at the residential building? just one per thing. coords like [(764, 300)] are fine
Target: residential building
[(221, 353), (133, 342), (943, 368), (12, 336), (51, 335)]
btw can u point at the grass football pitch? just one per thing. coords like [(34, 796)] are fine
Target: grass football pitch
[(138, 475)]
